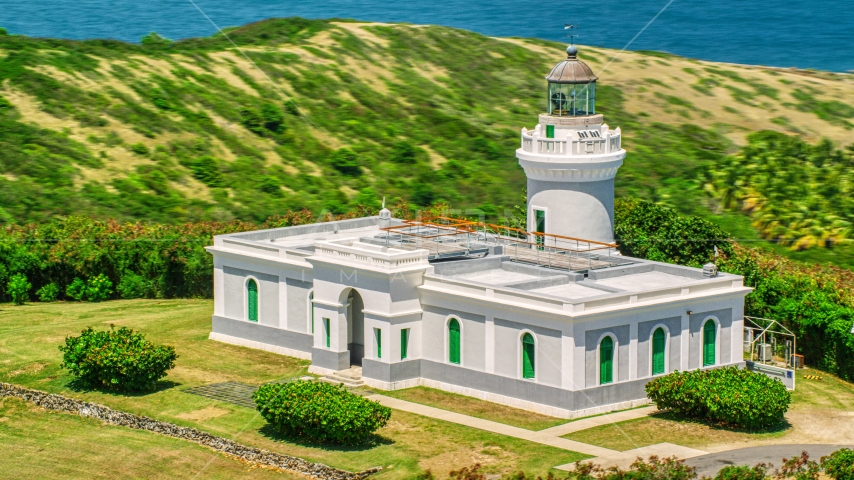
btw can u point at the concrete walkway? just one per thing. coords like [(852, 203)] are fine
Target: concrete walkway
[(600, 420), (710, 464), (494, 427)]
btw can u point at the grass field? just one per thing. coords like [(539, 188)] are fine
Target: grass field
[(477, 408), (38, 443), (30, 334), (820, 413)]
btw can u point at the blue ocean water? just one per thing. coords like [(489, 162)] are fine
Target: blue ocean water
[(783, 33)]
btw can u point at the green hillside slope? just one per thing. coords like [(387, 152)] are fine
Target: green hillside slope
[(334, 114)]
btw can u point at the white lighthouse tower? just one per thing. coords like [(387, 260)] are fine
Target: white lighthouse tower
[(571, 158)]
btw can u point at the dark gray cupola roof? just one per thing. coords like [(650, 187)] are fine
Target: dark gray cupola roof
[(572, 70)]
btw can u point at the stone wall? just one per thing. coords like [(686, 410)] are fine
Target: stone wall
[(254, 455)]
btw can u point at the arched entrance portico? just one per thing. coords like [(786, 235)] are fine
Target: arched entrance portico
[(355, 327)]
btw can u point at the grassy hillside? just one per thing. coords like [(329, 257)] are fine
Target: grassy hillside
[(334, 114)]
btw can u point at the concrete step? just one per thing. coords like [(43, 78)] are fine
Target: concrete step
[(348, 380)]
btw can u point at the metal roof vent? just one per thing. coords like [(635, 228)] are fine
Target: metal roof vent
[(710, 270)]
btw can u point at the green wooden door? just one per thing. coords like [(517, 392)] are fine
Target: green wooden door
[(528, 356), (378, 337), (252, 300), (540, 219), (454, 341), (327, 331), (550, 131), (658, 343), (404, 343), (606, 361), (709, 331)]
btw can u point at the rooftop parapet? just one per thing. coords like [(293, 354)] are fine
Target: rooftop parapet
[(352, 252)]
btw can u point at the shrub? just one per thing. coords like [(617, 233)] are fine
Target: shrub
[(743, 472), (320, 412), (799, 468), (646, 230), (99, 288), (728, 395), (153, 39), (347, 162), (134, 286), (48, 293), (270, 185), (19, 288), (206, 170), (839, 465), (120, 360), (76, 290), (3, 31), (139, 149)]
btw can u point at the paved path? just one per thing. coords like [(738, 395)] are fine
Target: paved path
[(495, 427), (774, 454), (600, 420)]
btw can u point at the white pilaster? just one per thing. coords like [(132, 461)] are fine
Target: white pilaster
[(490, 344), (685, 340), (567, 354), (283, 303), (633, 351)]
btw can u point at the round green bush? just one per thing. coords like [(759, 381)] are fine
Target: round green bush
[(76, 290), (320, 412), (19, 288), (729, 395), (99, 288), (48, 293), (121, 360), (839, 465)]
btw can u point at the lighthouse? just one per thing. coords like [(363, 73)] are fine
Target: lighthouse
[(571, 158)]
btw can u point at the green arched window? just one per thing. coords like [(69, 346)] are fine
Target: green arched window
[(454, 341), (528, 356), (709, 332), (606, 361), (659, 340), (252, 300)]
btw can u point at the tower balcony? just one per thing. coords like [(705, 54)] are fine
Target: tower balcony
[(575, 143)]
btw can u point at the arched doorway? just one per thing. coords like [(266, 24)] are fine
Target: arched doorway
[(355, 327)]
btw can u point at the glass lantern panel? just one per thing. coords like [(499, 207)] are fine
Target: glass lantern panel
[(572, 100)]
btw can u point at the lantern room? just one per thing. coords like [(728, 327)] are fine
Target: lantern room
[(572, 87)]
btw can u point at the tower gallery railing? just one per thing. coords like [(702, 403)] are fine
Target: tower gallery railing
[(604, 142)]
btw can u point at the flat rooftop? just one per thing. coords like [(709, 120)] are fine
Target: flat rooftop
[(481, 259)]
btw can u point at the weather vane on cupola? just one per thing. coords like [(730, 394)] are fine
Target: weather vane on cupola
[(570, 30)]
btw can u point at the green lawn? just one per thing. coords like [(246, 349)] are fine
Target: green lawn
[(42, 444), (477, 408), (812, 398), (30, 334)]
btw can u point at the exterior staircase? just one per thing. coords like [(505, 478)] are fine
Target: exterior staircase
[(351, 378)]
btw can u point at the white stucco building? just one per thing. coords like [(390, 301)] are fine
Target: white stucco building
[(553, 320)]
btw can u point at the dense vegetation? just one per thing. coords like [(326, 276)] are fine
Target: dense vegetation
[(729, 395), (320, 412), (838, 466), (795, 193), (340, 114), (168, 261), (120, 360)]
